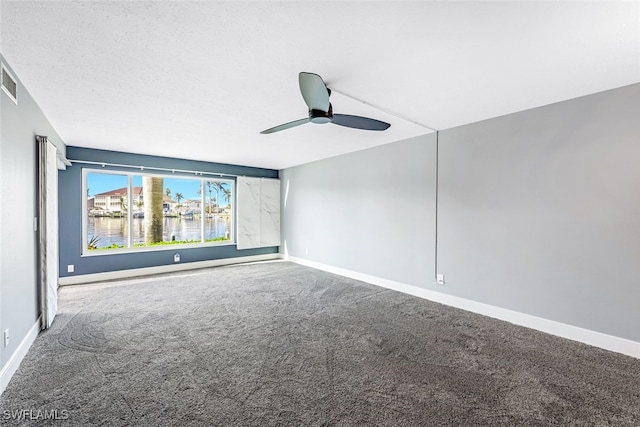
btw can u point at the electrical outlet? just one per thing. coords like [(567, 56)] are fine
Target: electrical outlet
[(440, 279), (176, 258), (70, 268), (6, 338)]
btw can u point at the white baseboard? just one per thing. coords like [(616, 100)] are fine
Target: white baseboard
[(134, 272), (586, 336), (16, 358)]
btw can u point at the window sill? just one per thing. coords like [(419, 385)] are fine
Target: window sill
[(142, 249)]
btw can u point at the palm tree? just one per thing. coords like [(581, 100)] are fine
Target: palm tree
[(167, 191), (152, 195), (226, 193), (179, 197), (123, 205), (217, 185), (209, 190)]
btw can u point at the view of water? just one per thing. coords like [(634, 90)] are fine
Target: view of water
[(115, 230)]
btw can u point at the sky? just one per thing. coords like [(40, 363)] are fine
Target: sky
[(101, 182)]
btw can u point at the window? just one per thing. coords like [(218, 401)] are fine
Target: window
[(126, 211)]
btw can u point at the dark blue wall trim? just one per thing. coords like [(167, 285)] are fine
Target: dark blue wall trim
[(91, 155), (70, 214)]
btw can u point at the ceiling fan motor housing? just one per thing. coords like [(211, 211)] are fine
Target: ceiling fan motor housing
[(319, 116)]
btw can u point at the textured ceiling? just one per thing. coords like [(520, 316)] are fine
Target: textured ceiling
[(200, 80)]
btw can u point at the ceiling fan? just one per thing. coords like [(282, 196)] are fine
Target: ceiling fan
[(316, 94)]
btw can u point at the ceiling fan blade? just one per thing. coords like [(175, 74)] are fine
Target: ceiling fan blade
[(285, 126), (314, 91), (358, 122)]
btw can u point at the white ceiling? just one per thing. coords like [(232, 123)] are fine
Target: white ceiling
[(200, 80)]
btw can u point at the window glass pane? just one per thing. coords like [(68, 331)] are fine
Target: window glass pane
[(107, 207), (138, 211), (164, 210), (183, 210), (219, 202), (169, 211)]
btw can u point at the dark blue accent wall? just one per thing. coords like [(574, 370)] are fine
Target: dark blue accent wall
[(70, 212)]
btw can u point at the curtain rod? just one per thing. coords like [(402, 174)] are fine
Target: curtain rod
[(142, 168)]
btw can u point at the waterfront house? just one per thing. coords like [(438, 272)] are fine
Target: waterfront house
[(116, 200), (191, 205)]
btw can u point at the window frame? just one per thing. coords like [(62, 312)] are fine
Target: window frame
[(135, 249)]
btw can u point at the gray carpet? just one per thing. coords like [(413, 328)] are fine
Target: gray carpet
[(281, 344)]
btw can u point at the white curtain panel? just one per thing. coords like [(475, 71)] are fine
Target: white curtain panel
[(269, 212), (258, 212), (48, 180), (248, 204)]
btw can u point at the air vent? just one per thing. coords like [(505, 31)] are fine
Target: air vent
[(9, 85)]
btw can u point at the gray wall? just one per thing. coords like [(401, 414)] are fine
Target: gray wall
[(537, 212), (70, 209), (372, 211), (18, 288)]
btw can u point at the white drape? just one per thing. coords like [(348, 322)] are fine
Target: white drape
[(48, 181), (258, 207)]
